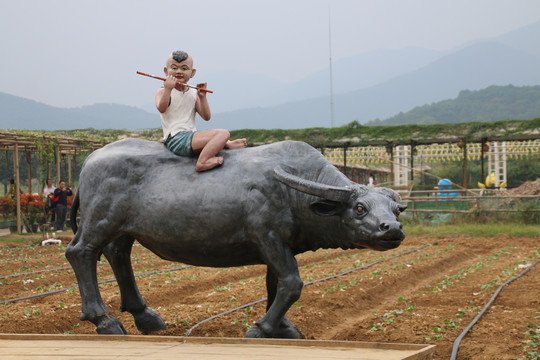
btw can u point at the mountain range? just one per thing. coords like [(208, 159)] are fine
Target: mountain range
[(490, 104), (368, 87), (24, 114)]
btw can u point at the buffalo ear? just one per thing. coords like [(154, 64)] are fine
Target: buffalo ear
[(326, 207)]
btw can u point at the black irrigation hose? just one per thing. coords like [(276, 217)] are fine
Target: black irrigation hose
[(188, 333), (455, 348), (99, 283)]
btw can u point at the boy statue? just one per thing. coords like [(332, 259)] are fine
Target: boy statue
[(177, 105)]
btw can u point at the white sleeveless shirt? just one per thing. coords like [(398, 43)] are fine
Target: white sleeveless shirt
[(180, 115)]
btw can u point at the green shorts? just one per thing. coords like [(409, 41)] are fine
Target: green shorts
[(180, 144)]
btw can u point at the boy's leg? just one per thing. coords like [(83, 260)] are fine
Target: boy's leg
[(207, 143)]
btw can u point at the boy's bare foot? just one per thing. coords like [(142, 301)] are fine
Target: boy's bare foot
[(236, 144), (209, 164)]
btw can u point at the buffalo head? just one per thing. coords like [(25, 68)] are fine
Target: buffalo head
[(368, 216)]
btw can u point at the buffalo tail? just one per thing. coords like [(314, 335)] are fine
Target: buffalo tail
[(73, 212)]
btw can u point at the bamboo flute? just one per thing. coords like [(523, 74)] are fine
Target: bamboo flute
[(181, 83)]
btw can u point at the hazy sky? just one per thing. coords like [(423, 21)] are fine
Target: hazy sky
[(69, 53)]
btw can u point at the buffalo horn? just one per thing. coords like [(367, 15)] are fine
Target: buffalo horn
[(329, 192)]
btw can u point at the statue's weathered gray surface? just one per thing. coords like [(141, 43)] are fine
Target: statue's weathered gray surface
[(264, 206)]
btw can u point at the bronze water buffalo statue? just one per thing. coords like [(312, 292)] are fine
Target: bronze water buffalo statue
[(265, 205)]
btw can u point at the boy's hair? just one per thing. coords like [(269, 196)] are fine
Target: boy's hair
[(179, 55)]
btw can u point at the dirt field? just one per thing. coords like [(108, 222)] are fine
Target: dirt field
[(426, 296)]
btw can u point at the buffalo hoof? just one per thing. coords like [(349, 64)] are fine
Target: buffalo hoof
[(254, 332), (287, 330), (110, 326), (148, 321)]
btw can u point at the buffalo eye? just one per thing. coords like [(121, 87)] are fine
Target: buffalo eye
[(361, 210)]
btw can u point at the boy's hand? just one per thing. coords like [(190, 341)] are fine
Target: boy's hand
[(202, 107), (169, 83), (200, 92)]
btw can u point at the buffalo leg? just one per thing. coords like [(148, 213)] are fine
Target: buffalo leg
[(118, 254), (83, 257), (286, 330), (288, 288)]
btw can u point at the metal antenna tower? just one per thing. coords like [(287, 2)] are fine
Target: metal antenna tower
[(330, 60)]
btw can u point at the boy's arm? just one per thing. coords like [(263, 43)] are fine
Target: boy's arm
[(163, 95), (202, 107)]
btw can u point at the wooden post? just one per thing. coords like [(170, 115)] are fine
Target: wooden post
[(17, 187), (58, 177), (69, 169), (482, 154), (345, 160), (413, 148), (392, 163), (464, 164), (29, 162)]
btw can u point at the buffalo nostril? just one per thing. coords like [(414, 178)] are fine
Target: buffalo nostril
[(386, 226)]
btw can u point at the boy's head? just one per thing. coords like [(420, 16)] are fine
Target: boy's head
[(179, 55), (180, 65)]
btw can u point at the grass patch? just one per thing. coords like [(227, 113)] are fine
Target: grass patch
[(480, 230)]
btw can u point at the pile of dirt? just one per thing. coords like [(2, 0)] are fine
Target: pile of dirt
[(527, 188)]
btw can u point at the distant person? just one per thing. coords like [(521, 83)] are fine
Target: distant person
[(49, 189), (177, 105), (61, 205), (371, 180)]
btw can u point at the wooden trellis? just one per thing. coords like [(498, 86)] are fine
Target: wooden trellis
[(400, 157), (31, 142)]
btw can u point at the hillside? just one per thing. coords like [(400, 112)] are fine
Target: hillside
[(20, 113), (490, 104)]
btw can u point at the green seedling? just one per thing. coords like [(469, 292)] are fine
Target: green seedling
[(72, 331), (31, 312)]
